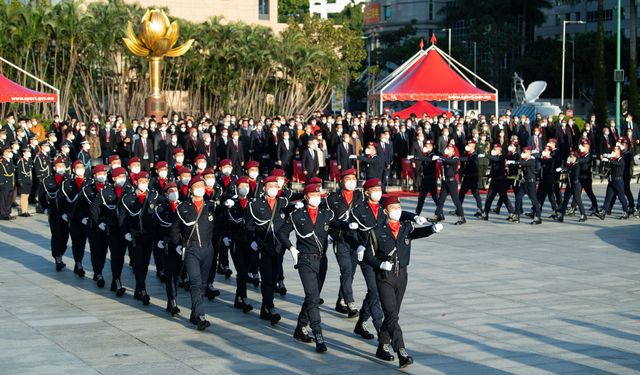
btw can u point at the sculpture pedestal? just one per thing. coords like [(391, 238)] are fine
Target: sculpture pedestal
[(156, 106)]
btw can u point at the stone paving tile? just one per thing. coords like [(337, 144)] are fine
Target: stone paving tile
[(485, 298)]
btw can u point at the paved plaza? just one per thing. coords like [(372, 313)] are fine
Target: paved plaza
[(485, 298)]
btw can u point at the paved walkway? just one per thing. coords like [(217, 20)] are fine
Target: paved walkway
[(486, 298)]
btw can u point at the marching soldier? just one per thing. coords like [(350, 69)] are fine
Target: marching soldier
[(527, 184), (98, 241), (76, 213), (162, 179), (546, 185), (389, 253), (469, 176), (574, 189), (24, 180), (449, 185), (374, 164), (615, 187), (498, 185), (429, 184), (7, 183), (225, 179), (168, 240), (311, 225), (57, 223), (41, 170)]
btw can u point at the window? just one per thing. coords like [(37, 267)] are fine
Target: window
[(577, 16), (263, 9), (387, 12), (430, 10), (567, 16), (592, 16)]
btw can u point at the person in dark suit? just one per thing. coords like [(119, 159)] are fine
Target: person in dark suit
[(386, 151), (565, 141), (634, 134), (374, 164), (10, 129), (285, 155), (343, 152), (160, 142), (235, 153), (310, 165), (401, 143), (258, 147), (208, 149), (107, 141), (143, 149)]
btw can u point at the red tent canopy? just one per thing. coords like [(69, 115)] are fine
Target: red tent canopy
[(11, 92), (431, 78), (419, 109)]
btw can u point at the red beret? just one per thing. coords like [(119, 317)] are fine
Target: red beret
[(169, 186), (526, 148), (390, 200), (472, 141), (585, 141), (312, 188), (194, 180), (348, 172), (623, 140), (251, 164), (315, 180), (428, 142), (552, 140), (99, 168), (142, 174), (277, 173), (208, 171), (184, 170), (497, 145), (113, 158), (178, 150), (243, 180), (199, 157), (269, 179), (76, 163), (225, 162), (161, 164), (134, 159), (372, 144), (372, 182), (118, 171)]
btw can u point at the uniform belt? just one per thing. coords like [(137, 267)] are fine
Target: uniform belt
[(310, 255), (530, 180), (450, 178)]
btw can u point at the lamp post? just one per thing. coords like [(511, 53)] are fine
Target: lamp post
[(449, 53), (564, 31), (619, 75), (573, 74)]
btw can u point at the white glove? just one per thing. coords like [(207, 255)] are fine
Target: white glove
[(254, 246), (65, 217), (435, 157), (160, 244), (235, 196), (226, 241), (558, 169), (510, 162), (360, 251), (386, 266), (535, 152), (329, 240), (437, 227), (299, 205), (481, 155), (179, 250), (409, 157), (294, 254), (353, 157), (229, 203), (84, 221), (419, 220), (128, 237), (353, 225), (102, 226)]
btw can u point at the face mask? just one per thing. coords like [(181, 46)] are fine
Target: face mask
[(272, 192), (27, 155), (79, 172), (253, 175), (395, 215), (101, 178), (314, 201), (209, 182), (351, 185), (467, 148), (226, 171), (367, 151), (185, 181), (121, 181), (199, 192), (179, 159), (60, 171), (162, 174), (143, 187), (135, 170), (280, 183), (243, 191), (235, 138), (376, 195), (173, 196), (202, 165)]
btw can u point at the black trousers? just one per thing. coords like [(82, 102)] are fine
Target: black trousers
[(428, 186), (197, 260), (268, 266), (98, 245), (545, 189), (143, 245), (527, 188), (309, 270), (574, 191), (615, 188), (371, 307), (586, 184), (117, 248), (43, 203), (59, 234), (449, 187), (417, 177), (5, 203), (78, 234), (239, 253), (158, 257), (470, 183), (216, 243), (347, 262), (391, 287), (172, 263), (35, 187), (497, 187)]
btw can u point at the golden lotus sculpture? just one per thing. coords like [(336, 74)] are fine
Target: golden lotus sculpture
[(155, 41)]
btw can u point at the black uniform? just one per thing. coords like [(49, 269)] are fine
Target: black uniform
[(24, 176), (429, 184), (449, 186), (586, 179), (41, 170), (498, 183), (574, 188), (527, 185), (98, 240), (169, 233), (76, 209), (374, 166), (615, 187), (469, 179), (7, 184), (240, 247), (546, 185), (59, 227)]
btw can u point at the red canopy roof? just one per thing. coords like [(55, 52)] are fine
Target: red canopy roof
[(11, 92), (431, 78), (419, 109)]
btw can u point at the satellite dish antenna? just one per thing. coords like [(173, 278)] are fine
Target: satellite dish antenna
[(534, 90)]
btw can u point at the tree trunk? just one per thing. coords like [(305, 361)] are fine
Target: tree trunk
[(634, 105)]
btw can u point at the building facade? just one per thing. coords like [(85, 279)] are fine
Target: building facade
[(324, 8)]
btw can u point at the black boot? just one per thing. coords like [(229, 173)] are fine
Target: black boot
[(485, 216), (281, 288), (202, 323), (160, 274), (600, 214), (384, 352), (536, 221), (582, 219), (116, 286), (352, 310), (99, 280), (172, 307), (436, 219), (145, 297), (211, 293), (404, 358), (361, 330), (341, 307), (240, 304), (624, 216), (301, 334), (461, 220), (321, 347), (560, 218), (78, 270), (478, 213), (59, 264)]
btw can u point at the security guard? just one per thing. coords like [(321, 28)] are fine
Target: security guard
[(162, 177), (168, 239), (586, 178), (345, 243), (311, 225), (265, 217), (7, 183), (226, 179), (615, 187), (546, 185), (374, 164), (388, 254), (24, 180), (469, 176), (449, 185), (429, 183), (104, 214), (41, 170), (98, 241), (57, 222), (75, 211), (498, 184), (137, 222), (527, 185), (574, 188), (196, 218)]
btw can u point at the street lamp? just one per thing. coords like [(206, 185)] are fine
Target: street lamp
[(449, 30), (564, 31)]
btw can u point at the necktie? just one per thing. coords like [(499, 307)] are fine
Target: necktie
[(107, 135)]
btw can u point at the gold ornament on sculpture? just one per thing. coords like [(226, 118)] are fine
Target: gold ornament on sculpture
[(155, 40)]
